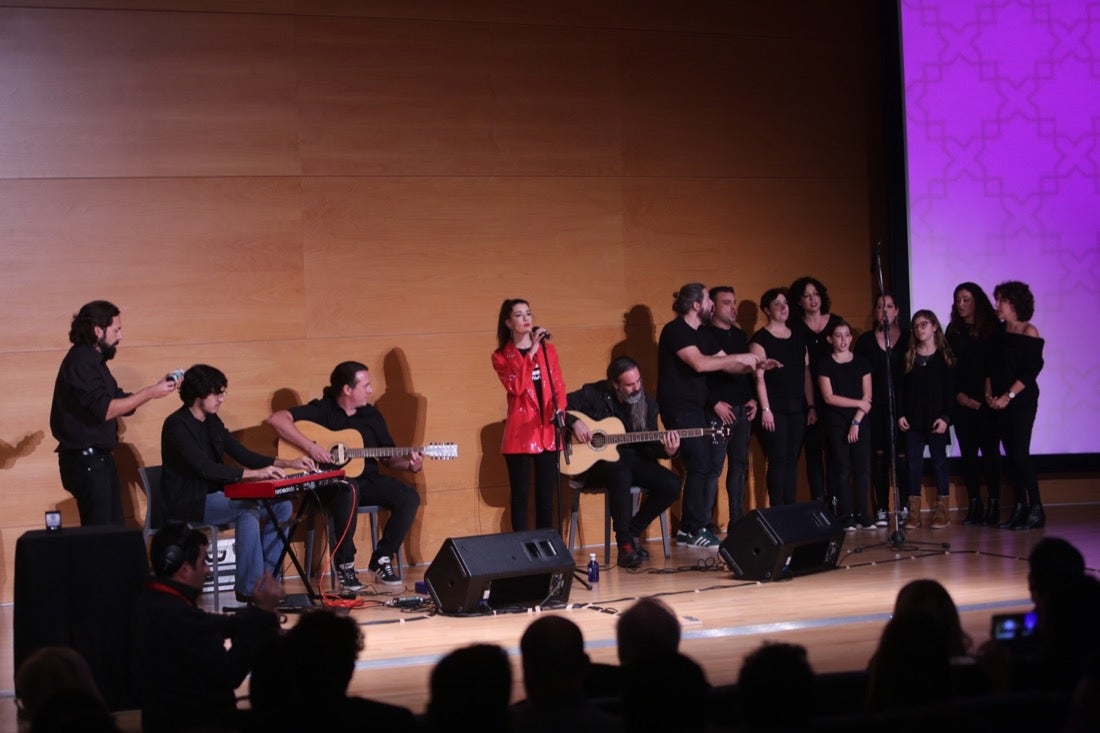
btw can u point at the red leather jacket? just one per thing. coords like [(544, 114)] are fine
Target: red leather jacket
[(529, 427)]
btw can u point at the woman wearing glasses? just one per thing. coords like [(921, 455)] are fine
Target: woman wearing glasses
[(926, 400)]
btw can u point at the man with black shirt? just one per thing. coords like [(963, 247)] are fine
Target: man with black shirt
[(87, 403), (621, 397), (730, 398), (682, 367), (185, 674), (346, 405)]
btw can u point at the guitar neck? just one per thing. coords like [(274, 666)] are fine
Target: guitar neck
[(653, 435), (381, 452)]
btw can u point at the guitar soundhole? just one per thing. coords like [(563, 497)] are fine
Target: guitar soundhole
[(599, 440)]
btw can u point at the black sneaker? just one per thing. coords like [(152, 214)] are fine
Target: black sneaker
[(639, 547), (349, 579), (384, 571), (628, 556), (864, 522)]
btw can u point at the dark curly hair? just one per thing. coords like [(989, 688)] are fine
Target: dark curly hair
[(798, 287), (1019, 295), (201, 380), (985, 318), (97, 313)]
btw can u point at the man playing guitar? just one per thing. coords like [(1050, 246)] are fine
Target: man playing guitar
[(621, 397), (345, 404)]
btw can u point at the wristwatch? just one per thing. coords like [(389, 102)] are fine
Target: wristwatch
[(855, 423)]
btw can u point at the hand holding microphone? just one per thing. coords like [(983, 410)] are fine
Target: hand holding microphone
[(540, 334)]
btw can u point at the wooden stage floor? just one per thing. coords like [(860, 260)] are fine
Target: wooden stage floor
[(837, 614)]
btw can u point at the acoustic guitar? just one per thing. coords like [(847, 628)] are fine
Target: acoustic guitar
[(609, 433), (345, 447)]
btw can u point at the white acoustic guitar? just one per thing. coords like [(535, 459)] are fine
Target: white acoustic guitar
[(345, 447), (609, 433)]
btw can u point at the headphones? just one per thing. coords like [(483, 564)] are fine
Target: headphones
[(172, 557)]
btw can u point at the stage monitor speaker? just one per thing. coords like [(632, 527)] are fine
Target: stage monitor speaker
[(473, 575), (782, 542)]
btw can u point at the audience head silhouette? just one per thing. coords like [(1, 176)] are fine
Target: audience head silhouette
[(648, 628), (772, 676), (470, 688), (554, 661), (931, 597)]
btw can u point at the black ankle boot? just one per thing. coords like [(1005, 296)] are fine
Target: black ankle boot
[(974, 512), (993, 513), (1019, 512), (1036, 518)]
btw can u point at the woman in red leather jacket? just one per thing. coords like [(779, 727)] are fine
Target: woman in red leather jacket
[(529, 370)]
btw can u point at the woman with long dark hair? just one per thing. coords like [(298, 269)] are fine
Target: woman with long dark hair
[(872, 345), (925, 402), (811, 319), (1012, 391), (973, 321), (527, 365)]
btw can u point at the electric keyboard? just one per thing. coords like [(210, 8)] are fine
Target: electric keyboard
[(271, 488)]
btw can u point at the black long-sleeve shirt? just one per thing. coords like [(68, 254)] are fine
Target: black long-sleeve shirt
[(82, 394), (192, 452)]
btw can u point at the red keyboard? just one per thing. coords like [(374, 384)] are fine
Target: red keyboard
[(270, 488)]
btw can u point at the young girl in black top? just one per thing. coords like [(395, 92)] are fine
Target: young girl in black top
[(927, 398), (845, 382)]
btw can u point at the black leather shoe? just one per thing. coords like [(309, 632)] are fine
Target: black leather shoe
[(628, 556), (1019, 513), (993, 513), (639, 547), (1036, 518), (974, 512)]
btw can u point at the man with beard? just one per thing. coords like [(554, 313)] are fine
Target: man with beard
[(87, 403), (621, 397)]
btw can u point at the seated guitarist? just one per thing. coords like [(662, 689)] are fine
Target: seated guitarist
[(344, 405), (621, 396)]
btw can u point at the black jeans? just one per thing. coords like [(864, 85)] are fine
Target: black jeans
[(976, 431), (661, 487), (403, 503), (736, 448), (695, 454), (93, 482), (546, 483), (1016, 422), (915, 440), (782, 446), (850, 468)]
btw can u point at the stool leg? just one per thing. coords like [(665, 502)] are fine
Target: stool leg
[(606, 526)]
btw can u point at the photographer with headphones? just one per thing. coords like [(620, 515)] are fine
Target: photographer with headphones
[(185, 676)]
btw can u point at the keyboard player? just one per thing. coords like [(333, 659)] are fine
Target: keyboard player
[(193, 445)]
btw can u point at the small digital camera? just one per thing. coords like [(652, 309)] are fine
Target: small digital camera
[(1012, 626), (53, 521)]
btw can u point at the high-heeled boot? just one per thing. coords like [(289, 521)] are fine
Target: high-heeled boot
[(993, 513), (1019, 512), (913, 521), (974, 514), (1036, 518)]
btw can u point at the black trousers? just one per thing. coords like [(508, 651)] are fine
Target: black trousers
[(93, 482), (850, 468), (1015, 424), (977, 433), (546, 484), (662, 487)]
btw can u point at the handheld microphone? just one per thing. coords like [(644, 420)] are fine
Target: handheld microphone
[(545, 334)]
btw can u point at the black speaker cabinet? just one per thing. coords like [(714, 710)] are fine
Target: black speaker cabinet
[(471, 575), (782, 542)]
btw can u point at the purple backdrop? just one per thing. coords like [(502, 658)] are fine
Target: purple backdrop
[(1003, 134)]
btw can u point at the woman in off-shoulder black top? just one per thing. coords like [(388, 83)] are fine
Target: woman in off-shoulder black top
[(1012, 391)]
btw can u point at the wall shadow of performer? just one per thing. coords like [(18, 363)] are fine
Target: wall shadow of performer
[(492, 474), (640, 344), (405, 414)]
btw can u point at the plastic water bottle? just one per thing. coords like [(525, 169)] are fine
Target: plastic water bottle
[(593, 569)]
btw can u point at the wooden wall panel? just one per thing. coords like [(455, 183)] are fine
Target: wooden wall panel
[(186, 260), (383, 97), (98, 94), (435, 255)]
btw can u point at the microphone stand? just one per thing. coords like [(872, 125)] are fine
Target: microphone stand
[(897, 537)]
